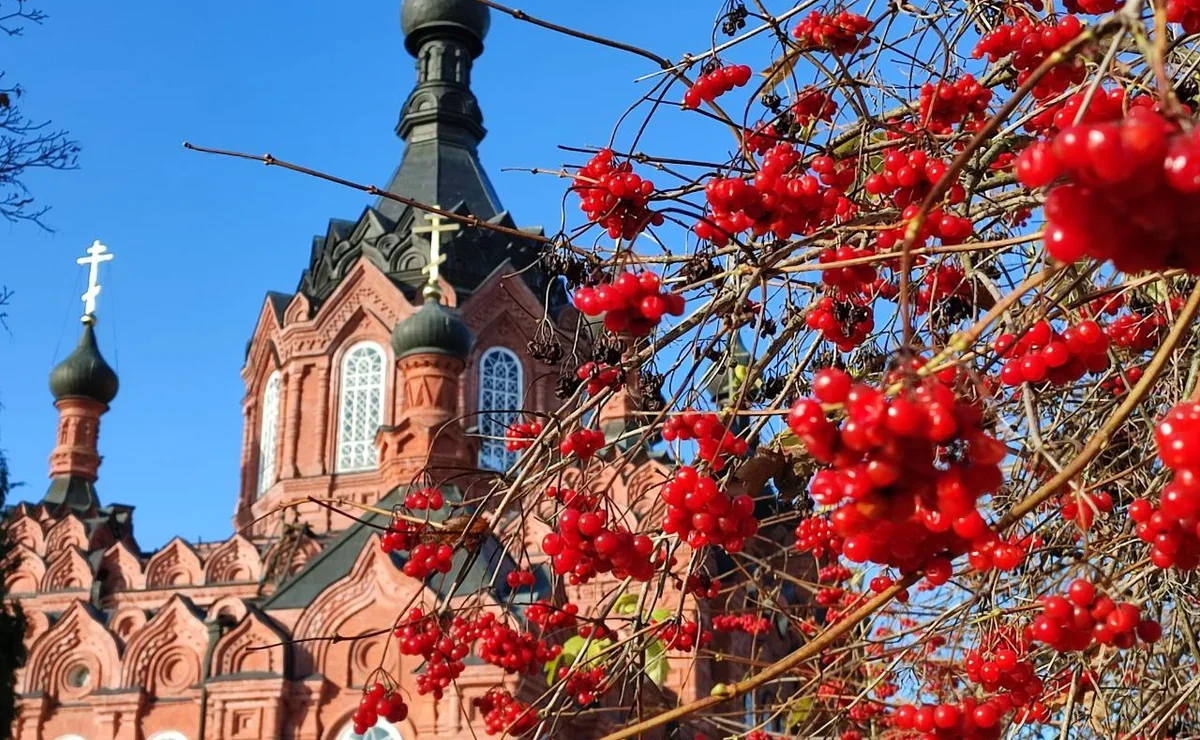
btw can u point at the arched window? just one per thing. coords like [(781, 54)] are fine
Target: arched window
[(500, 385), (268, 433), (360, 407), (169, 735), (383, 730)]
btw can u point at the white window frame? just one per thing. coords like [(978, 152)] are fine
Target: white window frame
[(492, 452), (358, 454), (268, 431), (168, 735)]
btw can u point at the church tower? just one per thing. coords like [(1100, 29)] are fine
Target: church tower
[(384, 366)]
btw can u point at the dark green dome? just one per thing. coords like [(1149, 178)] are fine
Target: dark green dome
[(466, 19), (433, 329), (84, 373)]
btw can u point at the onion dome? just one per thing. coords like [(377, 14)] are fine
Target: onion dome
[(84, 373), (433, 329), (465, 19)]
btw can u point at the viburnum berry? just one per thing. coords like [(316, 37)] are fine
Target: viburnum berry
[(1173, 527), (965, 720), (422, 634), (598, 376), (549, 618), (702, 514), (378, 702), (945, 104), (684, 636), (520, 435), (783, 197), (900, 502), (1083, 508), (504, 714), (751, 624), (816, 535), (587, 543), (423, 499), (701, 586), (845, 321), (1185, 13), (712, 85), (714, 440), (613, 196), (583, 442), (633, 303), (841, 33), (520, 579), (1043, 354), (427, 558), (1072, 623), (813, 104), (1142, 166)]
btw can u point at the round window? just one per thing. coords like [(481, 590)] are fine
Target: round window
[(79, 677)]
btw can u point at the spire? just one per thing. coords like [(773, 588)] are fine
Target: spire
[(441, 122), (83, 385)]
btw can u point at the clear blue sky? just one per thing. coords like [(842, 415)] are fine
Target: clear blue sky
[(200, 239)]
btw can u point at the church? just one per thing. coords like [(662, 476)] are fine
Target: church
[(398, 361)]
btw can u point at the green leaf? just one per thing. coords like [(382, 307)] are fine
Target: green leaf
[(798, 712), (657, 666), (627, 604), (660, 615)]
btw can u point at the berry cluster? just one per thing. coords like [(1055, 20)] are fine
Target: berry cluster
[(683, 636), (427, 558), (1043, 354), (613, 196), (903, 499), (598, 376), (520, 579), (548, 617), (907, 177), (1173, 527), (424, 499), (422, 635), (520, 435), (946, 286), (846, 322), (842, 32), (583, 442), (851, 279), (378, 702), (1116, 384), (502, 646), (633, 303), (1027, 41), (816, 535), (782, 198), (944, 105), (965, 720), (504, 714), (1129, 195), (813, 104), (586, 544), (712, 437), (993, 553), (751, 624), (714, 84), (585, 685), (1072, 623), (702, 514), (1083, 508), (401, 535)]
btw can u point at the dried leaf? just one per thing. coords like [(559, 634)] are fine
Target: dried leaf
[(781, 68)]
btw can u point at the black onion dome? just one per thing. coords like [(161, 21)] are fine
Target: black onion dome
[(464, 18), (84, 373), (433, 329)]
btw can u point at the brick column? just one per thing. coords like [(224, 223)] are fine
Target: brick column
[(295, 381), (324, 393)]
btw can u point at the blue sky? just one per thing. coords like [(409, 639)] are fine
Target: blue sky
[(200, 239)]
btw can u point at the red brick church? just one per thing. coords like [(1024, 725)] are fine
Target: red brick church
[(367, 379)]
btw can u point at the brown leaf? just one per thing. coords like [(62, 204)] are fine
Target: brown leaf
[(781, 67), (756, 471)]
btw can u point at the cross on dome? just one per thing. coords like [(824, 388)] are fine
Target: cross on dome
[(435, 229), (97, 253)]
